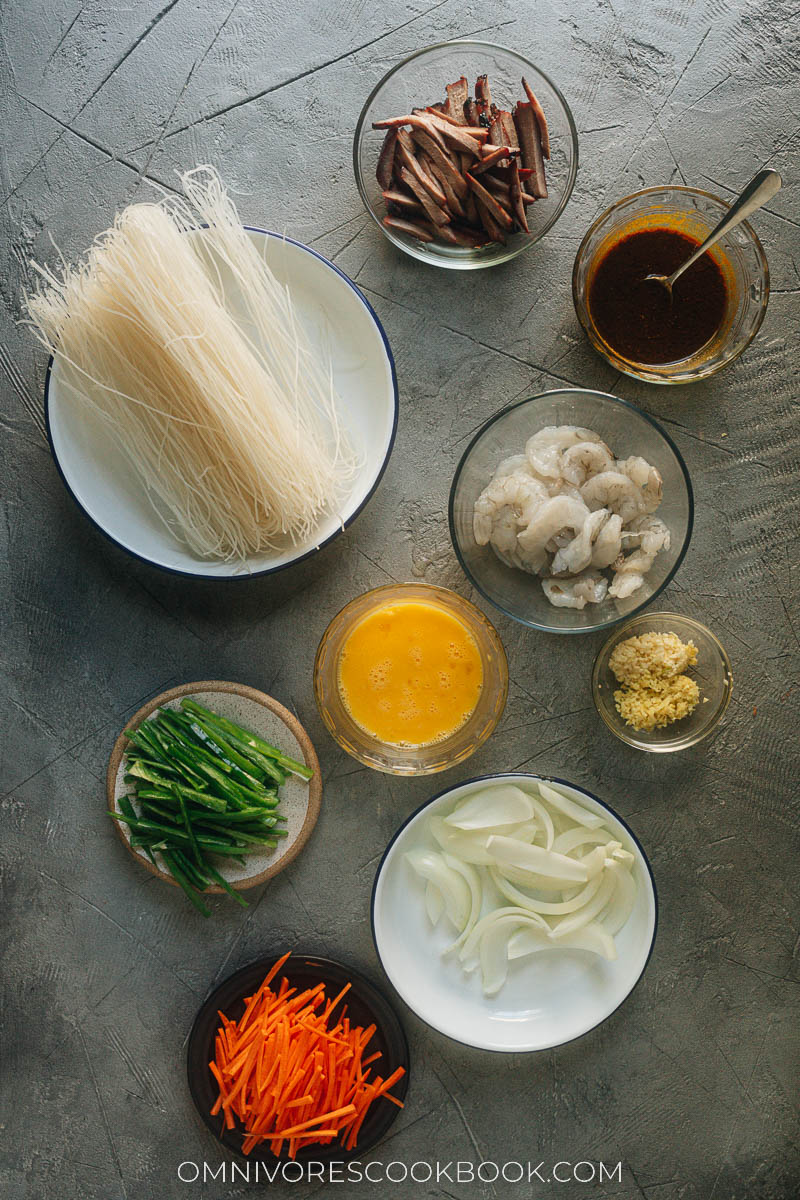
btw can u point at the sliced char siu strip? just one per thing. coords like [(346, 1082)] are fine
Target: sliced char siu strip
[(471, 210), (476, 131), (471, 111), (456, 98), (490, 202), (495, 232), (416, 121), (541, 119), (483, 93), (456, 235), (517, 207), (454, 204), (491, 159), (457, 135), (410, 227), (498, 187), (509, 130), (434, 211), (385, 169), (528, 132), (406, 157), (403, 200), (443, 161), (527, 198)]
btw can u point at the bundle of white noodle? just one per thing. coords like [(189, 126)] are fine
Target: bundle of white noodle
[(230, 421)]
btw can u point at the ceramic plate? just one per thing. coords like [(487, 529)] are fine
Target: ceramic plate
[(254, 710), (548, 998), (365, 1006), (339, 319)]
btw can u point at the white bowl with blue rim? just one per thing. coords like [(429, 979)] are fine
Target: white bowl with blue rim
[(341, 322), (547, 999)]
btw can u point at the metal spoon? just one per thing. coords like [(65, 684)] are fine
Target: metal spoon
[(759, 190)]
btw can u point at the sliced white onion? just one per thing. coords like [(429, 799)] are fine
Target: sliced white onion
[(453, 887), (473, 941), (470, 845), (545, 907), (588, 912), (473, 881), (592, 938), (492, 808), (434, 902), (549, 884), (494, 951), (535, 858), (546, 821), (570, 839), (575, 812), (620, 907)]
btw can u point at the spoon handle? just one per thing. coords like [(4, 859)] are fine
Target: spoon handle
[(759, 190)]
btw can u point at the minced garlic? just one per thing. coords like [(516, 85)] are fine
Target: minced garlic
[(651, 657), (654, 691)]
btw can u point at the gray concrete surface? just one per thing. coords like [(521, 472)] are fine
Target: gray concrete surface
[(693, 1083)]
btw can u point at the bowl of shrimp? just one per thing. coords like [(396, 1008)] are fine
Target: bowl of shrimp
[(571, 510)]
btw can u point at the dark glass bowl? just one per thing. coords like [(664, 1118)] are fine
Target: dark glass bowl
[(365, 1006)]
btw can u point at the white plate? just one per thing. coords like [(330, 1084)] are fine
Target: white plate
[(339, 319), (548, 999)]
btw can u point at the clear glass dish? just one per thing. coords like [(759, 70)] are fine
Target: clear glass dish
[(420, 79), (418, 760), (712, 672), (739, 255), (627, 430)]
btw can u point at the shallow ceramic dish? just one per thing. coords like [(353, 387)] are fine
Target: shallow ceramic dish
[(627, 430), (299, 801), (365, 1006), (338, 318), (712, 672), (420, 79), (548, 999)]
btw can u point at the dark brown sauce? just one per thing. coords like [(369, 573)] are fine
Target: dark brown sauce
[(636, 318)]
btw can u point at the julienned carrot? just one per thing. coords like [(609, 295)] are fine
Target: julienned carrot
[(289, 1075)]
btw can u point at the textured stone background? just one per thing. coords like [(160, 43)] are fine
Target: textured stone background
[(693, 1083)]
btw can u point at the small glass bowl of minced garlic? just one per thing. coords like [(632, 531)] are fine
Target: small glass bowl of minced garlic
[(662, 682)]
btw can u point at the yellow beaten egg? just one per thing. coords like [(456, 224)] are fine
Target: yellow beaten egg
[(410, 674)]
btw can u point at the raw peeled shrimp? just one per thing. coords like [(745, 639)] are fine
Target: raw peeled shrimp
[(646, 531), (551, 517), (567, 509), (516, 494), (577, 554), (608, 543), (645, 477), (545, 449), (614, 490), (584, 459), (588, 588), (629, 572)]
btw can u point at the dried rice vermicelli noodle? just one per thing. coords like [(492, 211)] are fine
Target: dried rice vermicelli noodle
[(230, 420)]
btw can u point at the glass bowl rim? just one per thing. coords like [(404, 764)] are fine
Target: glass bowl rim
[(614, 620), (503, 254), (617, 361), (469, 748), (631, 739)]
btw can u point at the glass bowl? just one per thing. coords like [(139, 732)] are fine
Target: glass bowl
[(712, 673), (420, 79), (418, 760), (739, 255), (627, 430)]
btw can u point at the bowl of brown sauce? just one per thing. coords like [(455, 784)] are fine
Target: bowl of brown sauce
[(716, 307)]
